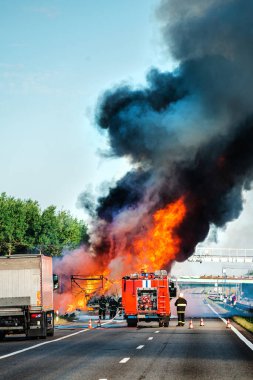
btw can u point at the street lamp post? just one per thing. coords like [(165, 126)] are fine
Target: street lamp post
[(224, 273)]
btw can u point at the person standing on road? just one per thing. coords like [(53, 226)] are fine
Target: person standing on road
[(181, 305), (113, 305), (102, 307)]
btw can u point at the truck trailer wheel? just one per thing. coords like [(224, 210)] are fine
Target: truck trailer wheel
[(44, 329), (50, 323), (50, 332)]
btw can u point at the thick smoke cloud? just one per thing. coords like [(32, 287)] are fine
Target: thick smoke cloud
[(188, 133)]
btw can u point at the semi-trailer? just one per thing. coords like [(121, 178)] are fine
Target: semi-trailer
[(26, 295)]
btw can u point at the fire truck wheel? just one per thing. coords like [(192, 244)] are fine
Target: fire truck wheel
[(131, 323), (160, 324)]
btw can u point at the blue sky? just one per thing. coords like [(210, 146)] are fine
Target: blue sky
[(56, 59)]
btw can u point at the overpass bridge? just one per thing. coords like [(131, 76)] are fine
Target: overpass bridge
[(222, 255), (215, 280)]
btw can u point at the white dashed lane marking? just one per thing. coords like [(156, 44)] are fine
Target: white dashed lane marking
[(150, 338), (140, 347), (124, 360), (42, 344), (156, 332)]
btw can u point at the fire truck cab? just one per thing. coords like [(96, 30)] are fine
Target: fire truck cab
[(146, 297)]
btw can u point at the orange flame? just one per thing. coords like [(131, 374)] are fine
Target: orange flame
[(84, 290), (154, 250), (160, 245)]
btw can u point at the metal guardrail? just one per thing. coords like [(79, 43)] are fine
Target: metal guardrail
[(244, 307)]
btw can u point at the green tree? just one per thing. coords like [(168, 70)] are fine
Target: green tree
[(18, 222), (12, 223), (33, 223), (70, 232), (6, 226), (48, 240), (24, 228)]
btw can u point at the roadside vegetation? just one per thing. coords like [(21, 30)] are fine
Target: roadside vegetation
[(246, 323), (26, 228)]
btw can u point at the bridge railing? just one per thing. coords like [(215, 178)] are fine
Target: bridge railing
[(225, 255)]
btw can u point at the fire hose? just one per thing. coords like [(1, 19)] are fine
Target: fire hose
[(113, 319)]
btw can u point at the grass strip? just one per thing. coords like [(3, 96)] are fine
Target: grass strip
[(244, 322)]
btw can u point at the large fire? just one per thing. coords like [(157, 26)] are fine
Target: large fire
[(83, 289), (154, 249), (160, 244)]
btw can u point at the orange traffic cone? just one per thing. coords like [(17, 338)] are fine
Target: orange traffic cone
[(90, 324), (191, 324), (228, 324), (201, 322)]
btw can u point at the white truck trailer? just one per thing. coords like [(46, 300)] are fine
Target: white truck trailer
[(26, 296)]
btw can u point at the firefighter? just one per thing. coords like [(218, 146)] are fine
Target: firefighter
[(120, 308), (113, 305), (102, 307), (181, 305)]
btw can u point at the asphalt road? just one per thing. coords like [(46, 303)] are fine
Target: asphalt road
[(212, 352)]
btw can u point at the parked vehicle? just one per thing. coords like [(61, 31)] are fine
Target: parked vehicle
[(26, 295), (146, 297)]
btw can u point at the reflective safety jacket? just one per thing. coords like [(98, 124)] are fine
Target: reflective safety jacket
[(113, 304), (181, 304), (102, 303)]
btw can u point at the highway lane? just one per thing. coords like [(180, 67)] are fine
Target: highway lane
[(211, 351), (196, 305)]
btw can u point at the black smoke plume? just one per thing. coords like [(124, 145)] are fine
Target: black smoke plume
[(189, 132)]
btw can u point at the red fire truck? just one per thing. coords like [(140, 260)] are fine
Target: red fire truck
[(146, 297)]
